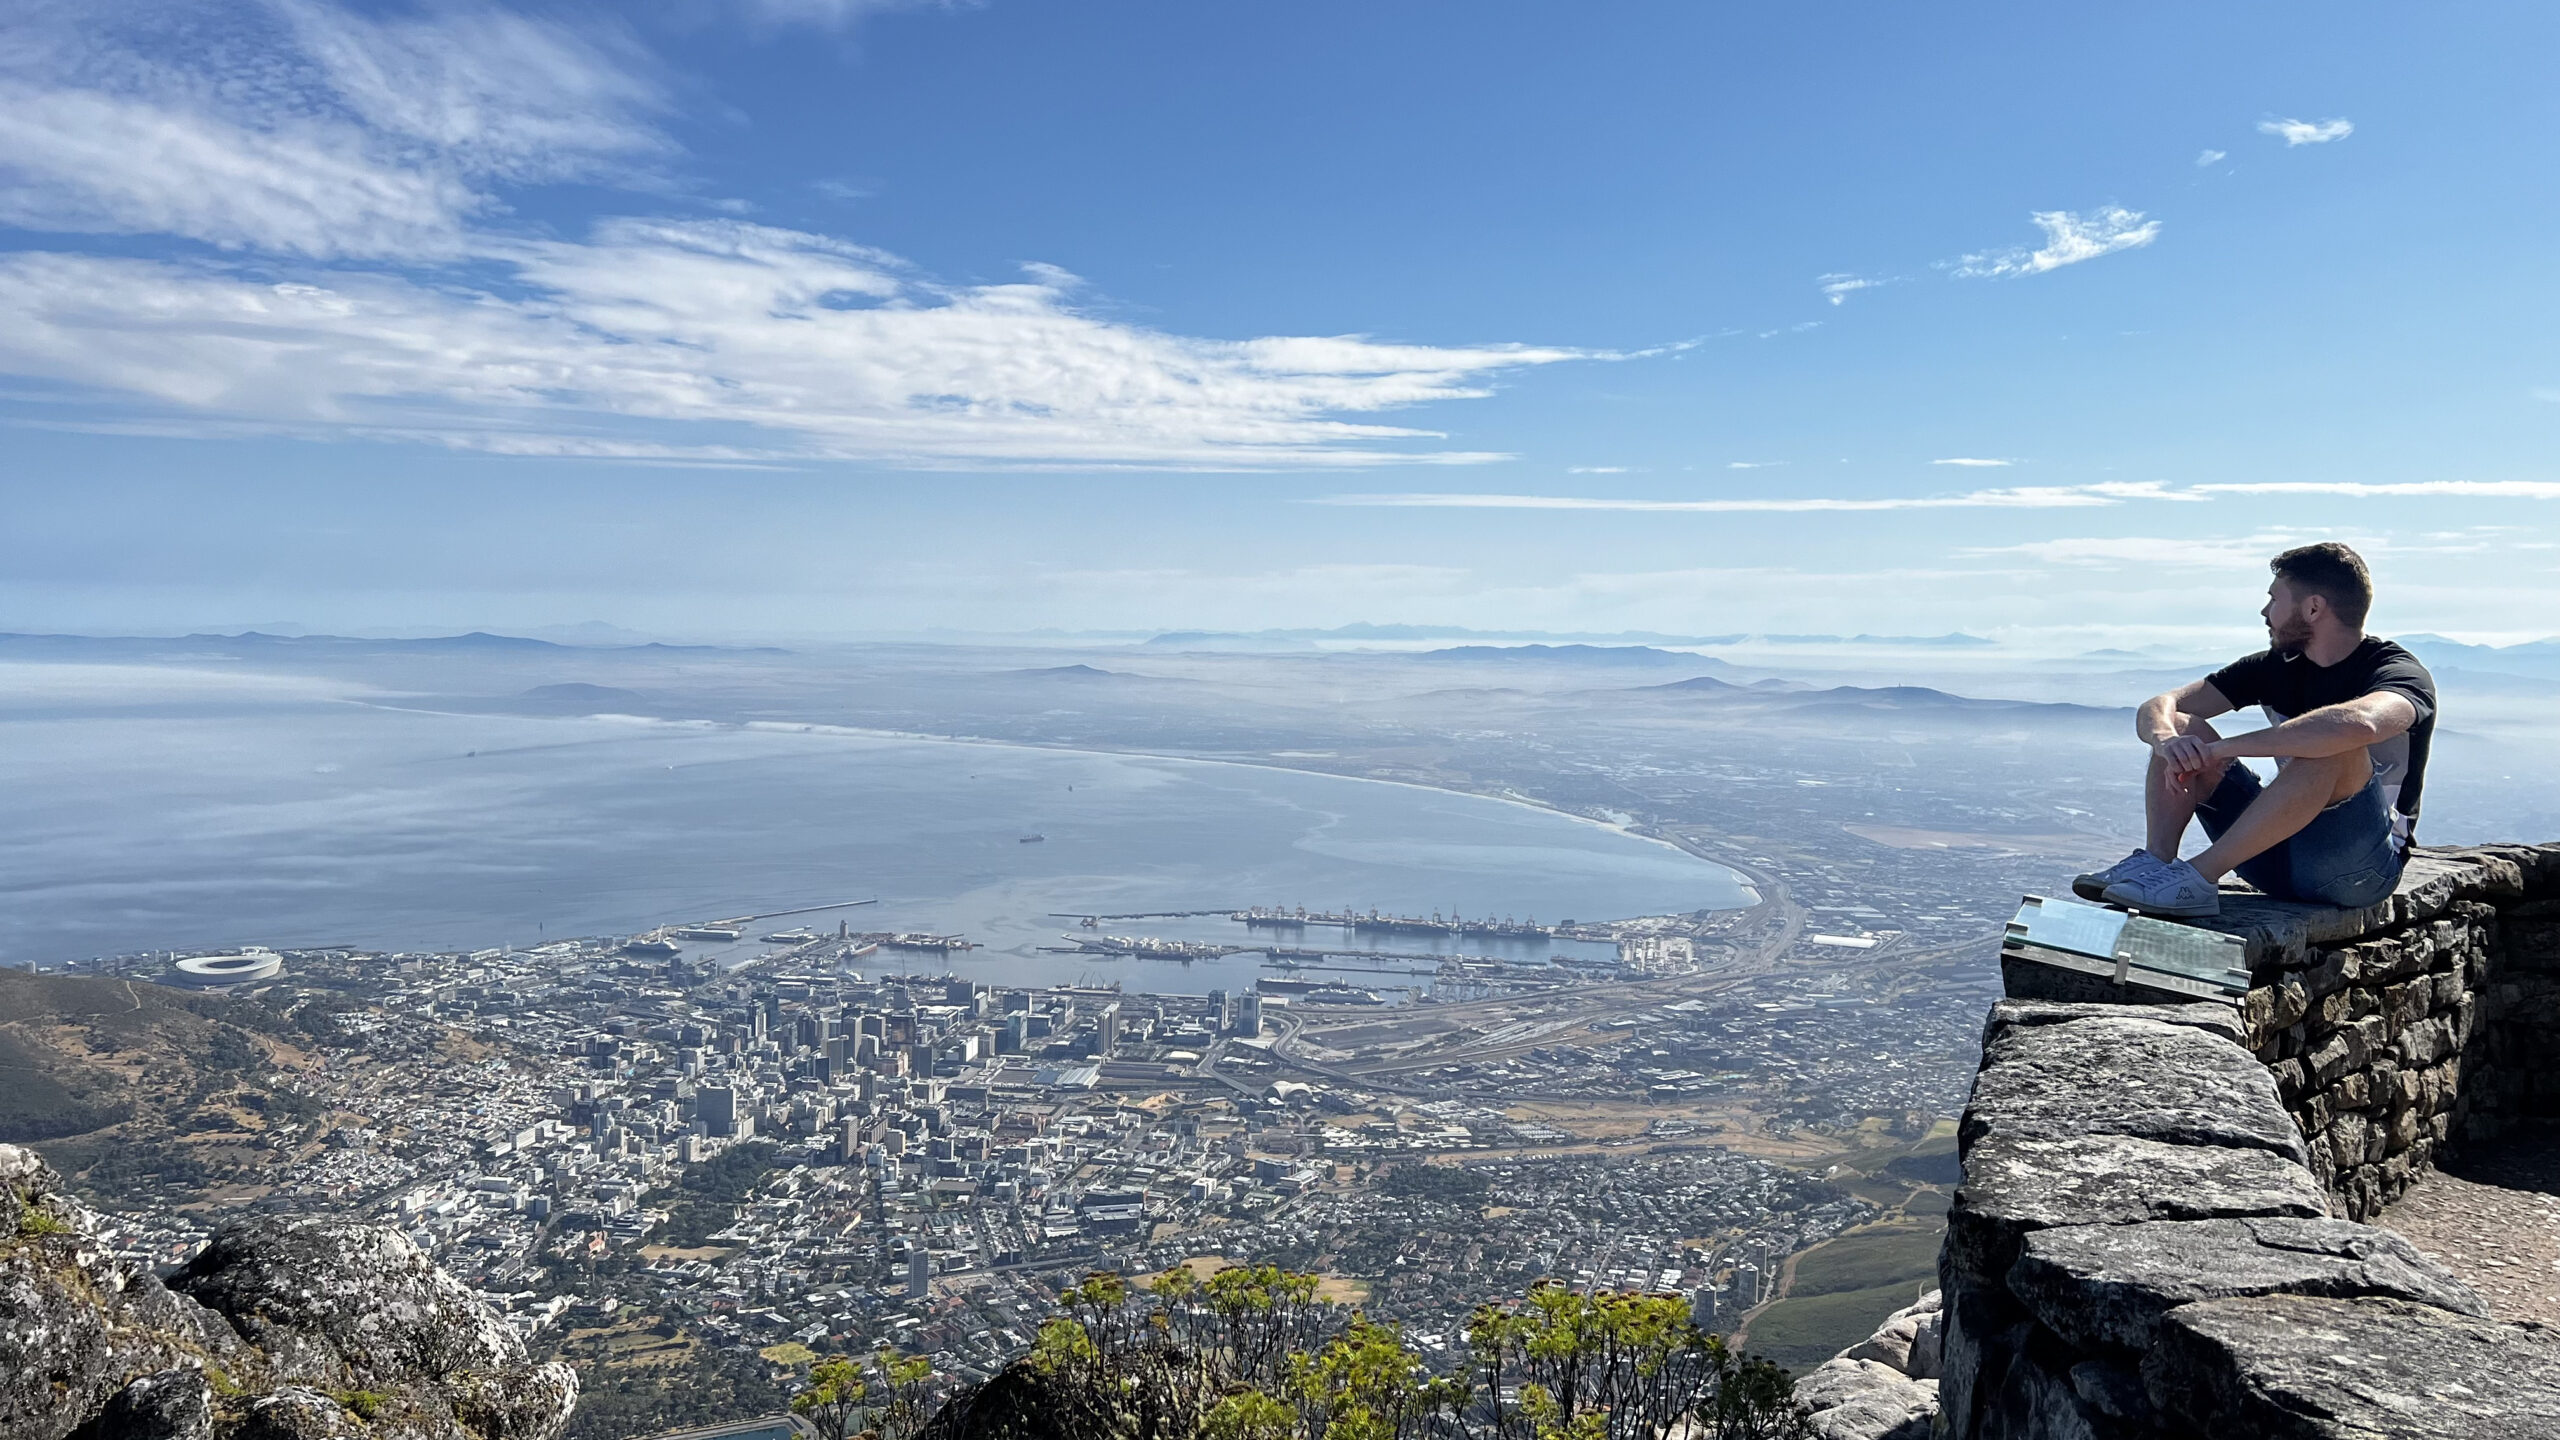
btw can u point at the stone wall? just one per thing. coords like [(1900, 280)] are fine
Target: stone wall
[(2395, 1031), (2159, 1230)]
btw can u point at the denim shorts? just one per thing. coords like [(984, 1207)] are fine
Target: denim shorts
[(2344, 857)]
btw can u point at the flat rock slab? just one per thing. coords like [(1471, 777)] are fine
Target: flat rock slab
[(2005, 1015), (2014, 1185), (2125, 1075), (2296, 1367), (2106, 1287)]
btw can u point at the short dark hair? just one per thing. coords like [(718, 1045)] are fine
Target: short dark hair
[(2331, 571)]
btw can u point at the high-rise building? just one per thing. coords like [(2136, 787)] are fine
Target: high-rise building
[(1220, 1008), (919, 1272), (716, 1106), (1106, 1028), (1249, 1015)]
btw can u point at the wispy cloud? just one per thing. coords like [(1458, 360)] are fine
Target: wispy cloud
[(2207, 159), (1753, 464), (297, 129), (2178, 552), (829, 14), (350, 176), (2475, 489), (2307, 132), (2069, 238), (1596, 470), (820, 350), (1974, 462), (2041, 497), (2020, 497), (1838, 288)]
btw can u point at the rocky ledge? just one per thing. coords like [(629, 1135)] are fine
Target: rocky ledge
[(277, 1330), (2140, 1249)]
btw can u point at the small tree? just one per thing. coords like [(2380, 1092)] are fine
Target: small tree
[(1366, 1385), (885, 1395), (832, 1399)]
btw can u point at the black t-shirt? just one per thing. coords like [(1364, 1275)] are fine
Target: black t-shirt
[(2284, 683)]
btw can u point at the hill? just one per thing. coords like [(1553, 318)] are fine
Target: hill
[(143, 1092)]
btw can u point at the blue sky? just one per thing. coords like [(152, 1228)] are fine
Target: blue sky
[(809, 317)]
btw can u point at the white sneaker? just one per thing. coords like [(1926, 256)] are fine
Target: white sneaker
[(2094, 884), (2173, 888)]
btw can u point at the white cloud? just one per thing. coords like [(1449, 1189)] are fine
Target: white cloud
[(1596, 470), (1838, 288), (2182, 552), (828, 14), (2069, 238), (300, 137), (817, 349), (1971, 461), (2307, 132), (2473, 489), (300, 130), (2041, 497), (2206, 159), (1753, 464), (2022, 497)]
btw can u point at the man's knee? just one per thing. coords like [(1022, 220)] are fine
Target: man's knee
[(2345, 773)]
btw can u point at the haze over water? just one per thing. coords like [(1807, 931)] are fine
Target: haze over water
[(298, 824)]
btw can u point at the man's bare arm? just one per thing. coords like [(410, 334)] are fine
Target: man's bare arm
[(2329, 730), (2157, 719)]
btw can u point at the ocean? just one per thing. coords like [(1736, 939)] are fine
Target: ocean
[(290, 820)]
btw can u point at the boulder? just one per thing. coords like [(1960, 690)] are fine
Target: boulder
[(2300, 1367), (1864, 1400), (76, 1326), (2105, 1287), (2130, 1076), (277, 1330), (169, 1405), (1908, 1340)]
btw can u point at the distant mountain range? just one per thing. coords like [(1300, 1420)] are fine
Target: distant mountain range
[(1271, 639), (2534, 659), (1791, 698), (477, 642), (1614, 657)]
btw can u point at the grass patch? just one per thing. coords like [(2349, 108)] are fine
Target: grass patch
[(789, 1352), (41, 1222), (1897, 1255), (1802, 1331)]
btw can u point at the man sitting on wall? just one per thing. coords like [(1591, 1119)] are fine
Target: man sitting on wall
[(2349, 721)]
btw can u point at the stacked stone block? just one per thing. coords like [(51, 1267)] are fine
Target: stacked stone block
[(2397, 1031)]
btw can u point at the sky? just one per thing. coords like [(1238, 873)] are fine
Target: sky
[(788, 319)]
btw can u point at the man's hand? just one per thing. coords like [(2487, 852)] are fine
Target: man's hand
[(2183, 757)]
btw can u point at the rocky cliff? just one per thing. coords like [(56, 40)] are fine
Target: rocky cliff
[(277, 1330)]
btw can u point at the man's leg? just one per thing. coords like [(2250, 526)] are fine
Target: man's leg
[(2168, 802), (2300, 791)]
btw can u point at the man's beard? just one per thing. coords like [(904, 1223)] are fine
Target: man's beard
[(2291, 634)]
